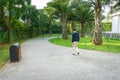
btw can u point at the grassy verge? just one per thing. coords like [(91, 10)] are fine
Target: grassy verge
[(4, 54), (112, 45), (4, 49)]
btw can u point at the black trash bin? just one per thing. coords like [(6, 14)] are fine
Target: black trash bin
[(15, 52)]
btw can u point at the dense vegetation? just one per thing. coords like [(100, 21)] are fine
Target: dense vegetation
[(19, 19)]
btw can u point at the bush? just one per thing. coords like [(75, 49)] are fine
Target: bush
[(107, 26)]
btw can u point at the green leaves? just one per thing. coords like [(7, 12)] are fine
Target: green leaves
[(117, 5)]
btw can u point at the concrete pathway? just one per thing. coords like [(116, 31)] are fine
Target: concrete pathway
[(42, 60)]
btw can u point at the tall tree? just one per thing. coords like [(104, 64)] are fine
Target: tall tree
[(43, 21), (31, 17), (97, 33), (49, 11), (82, 13), (15, 9), (2, 12), (3, 21), (61, 9), (117, 5)]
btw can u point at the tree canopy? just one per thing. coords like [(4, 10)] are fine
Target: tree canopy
[(20, 17)]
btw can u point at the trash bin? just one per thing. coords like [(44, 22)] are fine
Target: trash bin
[(15, 52)]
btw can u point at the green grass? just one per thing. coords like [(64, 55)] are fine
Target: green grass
[(113, 45), (4, 49), (4, 54)]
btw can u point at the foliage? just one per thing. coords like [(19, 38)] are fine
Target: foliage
[(56, 28), (107, 26), (11, 12), (61, 10), (20, 20), (97, 33), (43, 22), (117, 5), (83, 13)]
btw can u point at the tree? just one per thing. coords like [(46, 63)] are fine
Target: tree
[(97, 33), (31, 17), (61, 9), (2, 13), (49, 11), (3, 22), (82, 13), (117, 5), (18, 9), (15, 9)]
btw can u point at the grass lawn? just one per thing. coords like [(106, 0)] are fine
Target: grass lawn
[(110, 45), (4, 50)]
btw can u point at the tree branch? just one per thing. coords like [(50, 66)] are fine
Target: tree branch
[(93, 2)]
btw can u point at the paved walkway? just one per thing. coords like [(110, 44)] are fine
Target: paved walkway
[(42, 60)]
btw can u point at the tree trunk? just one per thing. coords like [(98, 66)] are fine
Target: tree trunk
[(72, 25), (4, 25), (64, 27), (10, 17), (2, 16), (97, 33), (82, 29), (2, 21), (50, 29)]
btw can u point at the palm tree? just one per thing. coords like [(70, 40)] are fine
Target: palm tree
[(82, 13), (97, 33), (115, 6), (61, 9)]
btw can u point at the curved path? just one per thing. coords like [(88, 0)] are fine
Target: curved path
[(42, 60)]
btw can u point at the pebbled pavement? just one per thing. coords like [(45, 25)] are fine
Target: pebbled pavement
[(42, 60)]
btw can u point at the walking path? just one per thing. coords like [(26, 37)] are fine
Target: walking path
[(42, 60)]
